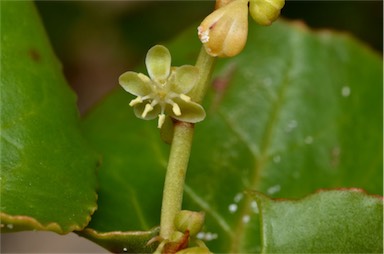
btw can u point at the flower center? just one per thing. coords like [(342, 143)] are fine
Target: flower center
[(160, 96)]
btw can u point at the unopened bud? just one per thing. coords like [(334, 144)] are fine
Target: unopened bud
[(221, 3), (189, 220), (265, 12), (176, 236), (224, 32)]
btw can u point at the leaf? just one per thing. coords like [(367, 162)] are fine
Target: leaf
[(127, 242), (294, 117), (336, 221), (131, 176), (296, 111), (48, 178)]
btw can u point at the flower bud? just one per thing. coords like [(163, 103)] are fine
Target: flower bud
[(224, 32), (189, 220), (265, 12), (176, 236), (221, 3)]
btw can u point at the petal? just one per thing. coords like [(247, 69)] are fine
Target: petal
[(139, 109), (158, 62), (135, 83), (184, 79), (191, 112)]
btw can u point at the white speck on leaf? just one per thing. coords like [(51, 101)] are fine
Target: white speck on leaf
[(207, 236), (345, 91), (308, 140), (274, 189), (246, 219), (254, 207), (291, 125), (238, 197), (232, 208), (276, 159)]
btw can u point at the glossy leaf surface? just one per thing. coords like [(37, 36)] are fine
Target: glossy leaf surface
[(336, 221), (296, 111), (48, 178)]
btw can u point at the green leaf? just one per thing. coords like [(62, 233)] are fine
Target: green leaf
[(131, 176), (337, 221), (48, 178), (127, 242), (296, 111)]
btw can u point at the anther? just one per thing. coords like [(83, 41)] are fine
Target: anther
[(185, 98), (148, 108), (161, 120), (176, 109), (136, 101)]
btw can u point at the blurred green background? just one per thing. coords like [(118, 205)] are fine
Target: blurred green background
[(98, 40)]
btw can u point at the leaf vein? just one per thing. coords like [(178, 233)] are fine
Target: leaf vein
[(206, 207), (252, 147)]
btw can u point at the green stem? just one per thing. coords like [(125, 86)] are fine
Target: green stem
[(180, 152), (175, 176), (205, 63)]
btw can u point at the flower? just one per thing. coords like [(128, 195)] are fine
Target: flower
[(189, 220), (265, 12), (165, 91), (224, 32)]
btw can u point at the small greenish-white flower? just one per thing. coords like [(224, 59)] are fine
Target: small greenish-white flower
[(165, 91)]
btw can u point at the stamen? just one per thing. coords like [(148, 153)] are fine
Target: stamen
[(154, 102), (148, 108), (161, 120), (185, 98), (136, 101), (176, 109)]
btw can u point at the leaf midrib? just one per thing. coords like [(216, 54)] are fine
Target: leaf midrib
[(261, 158)]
